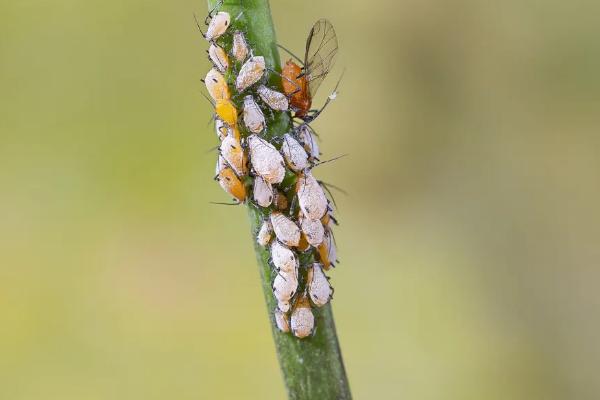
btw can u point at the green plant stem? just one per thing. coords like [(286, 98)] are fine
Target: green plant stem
[(312, 368)]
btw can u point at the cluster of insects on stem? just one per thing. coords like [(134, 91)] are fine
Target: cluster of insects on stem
[(273, 172)]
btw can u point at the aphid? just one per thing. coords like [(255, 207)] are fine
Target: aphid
[(327, 250), (232, 151), (311, 198), (221, 129), (226, 112), (281, 320), (319, 289), (218, 25), (250, 73), (303, 245), (285, 285), (240, 47), (265, 233), (280, 200), (263, 192), (274, 99), (253, 116), (284, 306), (303, 320), (219, 58), (266, 160), (231, 183), (294, 154), (307, 138), (283, 258), (285, 229), (313, 231), (216, 85), (221, 164), (301, 83)]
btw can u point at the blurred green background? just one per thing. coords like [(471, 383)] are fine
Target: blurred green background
[(469, 240)]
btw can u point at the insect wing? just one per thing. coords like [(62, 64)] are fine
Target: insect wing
[(321, 49)]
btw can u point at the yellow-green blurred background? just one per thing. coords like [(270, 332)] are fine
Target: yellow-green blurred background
[(469, 240)]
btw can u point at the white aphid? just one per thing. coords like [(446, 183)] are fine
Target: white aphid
[(254, 118), (307, 138), (232, 152), (303, 320), (218, 25), (313, 231), (274, 99), (219, 58), (282, 320), (284, 306), (240, 47), (263, 192), (319, 289), (250, 73), (294, 154), (264, 233), (285, 285), (266, 160), (311, 198), (285, 229), (283, 258), (216, 85)]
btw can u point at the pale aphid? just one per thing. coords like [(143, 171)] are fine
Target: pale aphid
[(319, 289), (313, 231), (254, 118), (327, 250), (216, 85), (250, 73), (231, 183), (294, 154), (285, 285), (218, 25), (274, 99), (283, 258), (284, 306), (219, 58), (240, 47), (265, 233), (282, 320), (303, 320), (227, 112), (311, 198), (307, 138), (266, 160), (232, 151), (285, 229), (263, 192)]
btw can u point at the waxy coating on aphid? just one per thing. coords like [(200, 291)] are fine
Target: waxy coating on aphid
[(216, 85), (311, 198), (274, 99), (285, 285), (313, 231), (232, 151), (285, 229), (266, 160), (294, 154), (262, 192), (219, 58), (283, 258), (265, 233), (303, 320), (254, 118), (282, 320), (240, 47), (221, 164), (218, 25), (226, 112), (319, 289), (232, 184), (250, 73), (284, 306), (307, 138)]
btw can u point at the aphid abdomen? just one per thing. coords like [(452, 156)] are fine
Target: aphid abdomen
[(216, 85), (231, 149), (285, 229), (313, 231), (263, 192), (254, 118), (319, 289), (250, 73), (274, 99), (265, 233), (285, 285), (219, 58), (283, 258), (282, 320), (232, 184), (218, 25), (239, 47), (294, 154), (303, 320), (266, 160), (311, 198)]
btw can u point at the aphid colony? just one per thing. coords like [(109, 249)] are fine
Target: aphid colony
[(274, 173)]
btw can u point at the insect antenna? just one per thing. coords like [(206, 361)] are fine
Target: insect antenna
[(223, 204), (330, 160), (198, 25), (210, 13), (331, 97), (339, 189)]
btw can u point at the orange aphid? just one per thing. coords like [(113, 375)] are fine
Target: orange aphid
[(232, 184), (226, 112), (295, 84)]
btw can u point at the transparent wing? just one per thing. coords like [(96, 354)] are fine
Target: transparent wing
[(321, 49)]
